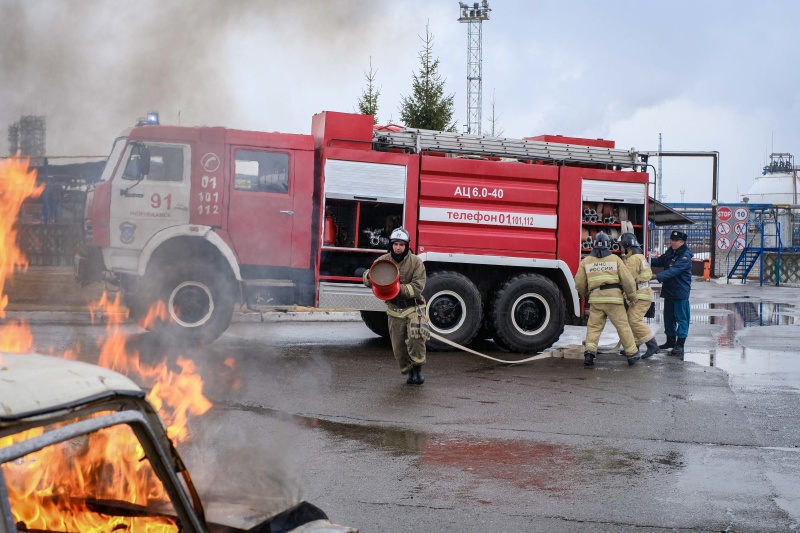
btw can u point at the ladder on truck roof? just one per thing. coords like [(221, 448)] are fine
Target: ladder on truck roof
[(417, 140)]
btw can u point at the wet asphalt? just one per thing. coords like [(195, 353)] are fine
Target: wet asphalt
[(318, 410)]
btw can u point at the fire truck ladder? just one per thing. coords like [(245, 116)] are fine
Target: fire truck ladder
[(418, 141)]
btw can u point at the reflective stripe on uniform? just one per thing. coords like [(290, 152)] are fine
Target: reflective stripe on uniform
[(597, 299), (601, 278), (402, 313)]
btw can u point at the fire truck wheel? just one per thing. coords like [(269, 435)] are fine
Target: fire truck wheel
[(454, 309), (528, 313), (199, 301), (377, 322)]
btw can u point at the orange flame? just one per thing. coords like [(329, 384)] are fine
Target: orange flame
[(78, 485), (17, 184), (175, 396), (64, 487)]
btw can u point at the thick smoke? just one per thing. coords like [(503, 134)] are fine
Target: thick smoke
[(93, 67)]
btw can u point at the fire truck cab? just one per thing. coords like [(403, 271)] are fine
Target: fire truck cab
[(205, 218)]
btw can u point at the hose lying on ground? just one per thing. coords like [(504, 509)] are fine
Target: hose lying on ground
[(543, 355)]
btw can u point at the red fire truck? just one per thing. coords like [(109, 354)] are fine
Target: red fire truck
[(204, 218)]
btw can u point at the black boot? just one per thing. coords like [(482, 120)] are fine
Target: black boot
[(412, 376), (420, 379), (669, 344), (652, 348), (678, 349), (588, 358)]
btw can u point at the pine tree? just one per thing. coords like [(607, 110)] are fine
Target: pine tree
[(427, 107), (368, 102)]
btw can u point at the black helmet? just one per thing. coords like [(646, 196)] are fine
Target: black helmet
[(628, 240), (601, 240)]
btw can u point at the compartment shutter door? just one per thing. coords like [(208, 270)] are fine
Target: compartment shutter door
[(356, 180), (613, 191)]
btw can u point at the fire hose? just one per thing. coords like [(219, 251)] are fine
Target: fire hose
[(543, 355)]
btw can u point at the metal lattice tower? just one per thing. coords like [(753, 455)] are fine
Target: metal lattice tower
[(474, 16)]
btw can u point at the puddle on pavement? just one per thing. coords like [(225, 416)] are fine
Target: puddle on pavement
[(750, 339), (528, 465)]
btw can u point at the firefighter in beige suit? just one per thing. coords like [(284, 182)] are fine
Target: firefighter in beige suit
[(603, 277), (639, 268), (408, 342)]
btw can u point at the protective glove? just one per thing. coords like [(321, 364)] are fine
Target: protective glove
[(419, 326), (425, 329), (632, 303), (414, 329)]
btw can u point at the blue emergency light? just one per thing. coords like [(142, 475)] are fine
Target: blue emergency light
[(150, 120)]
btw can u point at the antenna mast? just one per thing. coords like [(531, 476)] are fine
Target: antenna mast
[(474, 16)]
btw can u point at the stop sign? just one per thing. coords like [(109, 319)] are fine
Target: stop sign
[(724, 213)]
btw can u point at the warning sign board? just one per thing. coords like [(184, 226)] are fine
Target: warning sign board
[(740, 228), (739, 244), (724, 213), (723, 243), (723, 228), (741, 214)]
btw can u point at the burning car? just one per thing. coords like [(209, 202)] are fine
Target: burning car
[(82, 449)]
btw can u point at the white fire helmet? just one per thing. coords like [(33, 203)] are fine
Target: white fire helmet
[(400, 234)]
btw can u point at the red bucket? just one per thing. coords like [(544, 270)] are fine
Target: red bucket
[(385, 279)]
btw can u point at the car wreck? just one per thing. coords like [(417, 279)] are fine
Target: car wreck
[(82, 449)]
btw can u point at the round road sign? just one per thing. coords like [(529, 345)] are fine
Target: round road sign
[(724, 213), (741, 214), (740, 228), (739, 244), (723, 228), (723, 243)]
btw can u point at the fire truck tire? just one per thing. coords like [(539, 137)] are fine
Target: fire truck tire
[(454, 309), (377, 322), (527, 314), (199, 300)]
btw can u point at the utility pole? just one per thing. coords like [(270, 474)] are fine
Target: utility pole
[(660, 175), (659, 196), (474, 16)]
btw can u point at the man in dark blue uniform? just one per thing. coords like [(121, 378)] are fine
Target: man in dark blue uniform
[(676, 282)]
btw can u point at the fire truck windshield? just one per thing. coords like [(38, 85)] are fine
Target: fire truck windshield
[(113, 159)]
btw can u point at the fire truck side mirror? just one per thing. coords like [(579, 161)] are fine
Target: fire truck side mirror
[(144, 161)]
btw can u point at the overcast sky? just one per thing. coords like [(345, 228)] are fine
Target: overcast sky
[(708, 75)]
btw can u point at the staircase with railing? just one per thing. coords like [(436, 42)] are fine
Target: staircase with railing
[(767, 238)]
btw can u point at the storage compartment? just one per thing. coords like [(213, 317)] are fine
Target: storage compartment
[(364, 225), (363, 205), (613, 208), (354, 234)]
